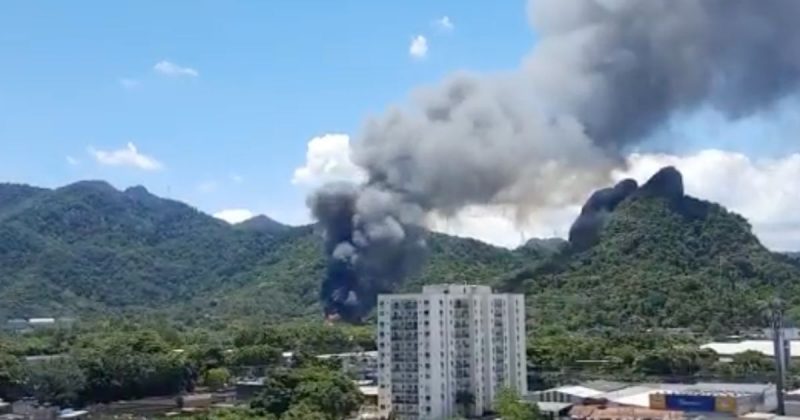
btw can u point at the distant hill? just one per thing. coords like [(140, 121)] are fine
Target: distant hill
[(263, 224), (638, 257), (88, 248), (659, 258)]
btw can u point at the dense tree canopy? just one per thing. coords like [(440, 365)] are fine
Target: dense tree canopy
[(509, 406)]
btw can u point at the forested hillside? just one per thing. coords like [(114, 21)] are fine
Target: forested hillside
[(285, 283), (662, 259), (88, 248), (656, 258)]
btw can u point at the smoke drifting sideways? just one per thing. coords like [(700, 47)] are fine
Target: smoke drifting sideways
[(601, 77)]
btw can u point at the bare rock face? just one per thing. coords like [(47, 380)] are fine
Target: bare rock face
[(586, 228), (667, 184)]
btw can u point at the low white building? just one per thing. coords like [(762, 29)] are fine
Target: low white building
[(765, 347), (738, 399)]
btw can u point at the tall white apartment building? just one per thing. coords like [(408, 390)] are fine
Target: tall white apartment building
[(448, 350)]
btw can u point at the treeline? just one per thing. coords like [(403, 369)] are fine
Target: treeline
[(559, 357), (312, 389), (122, 360)]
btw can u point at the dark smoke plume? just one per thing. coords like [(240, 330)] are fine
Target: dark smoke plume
[(602, 76), (586, 228)]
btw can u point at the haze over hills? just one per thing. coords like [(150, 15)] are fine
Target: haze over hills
[(657, 258)]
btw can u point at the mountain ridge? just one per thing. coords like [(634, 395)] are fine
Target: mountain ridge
[(660, 259)]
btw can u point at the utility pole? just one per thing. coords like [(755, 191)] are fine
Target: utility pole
[(779, 347)]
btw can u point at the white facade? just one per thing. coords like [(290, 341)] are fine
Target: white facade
[(449, 348)]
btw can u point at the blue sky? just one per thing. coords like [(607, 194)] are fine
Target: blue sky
[(249, 84), (221, 99)]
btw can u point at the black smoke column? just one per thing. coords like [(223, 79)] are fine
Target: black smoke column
[(372, 242)]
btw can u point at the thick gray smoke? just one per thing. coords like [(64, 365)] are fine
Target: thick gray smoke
[(602, 76)]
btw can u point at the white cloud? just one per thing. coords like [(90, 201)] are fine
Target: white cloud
[(765, 191), (168, 68), (419, 47), (498, 225), (127, 156), (444, 24), (236, 178), (129, 84), (234, 216), (327, 160), (72, 161)]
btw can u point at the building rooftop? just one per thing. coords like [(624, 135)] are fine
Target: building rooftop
[(639, 395), (605, 386), (370, 391), (764, 347), (579, 391), (71, 414), (251, 382), (373, 353), (592, 412), (45, 357), (713, 387), (553, 407), (457, 289)]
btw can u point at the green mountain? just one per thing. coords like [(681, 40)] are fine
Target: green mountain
[(641, 257), (285, 284), (88, 248), (661, 259)]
